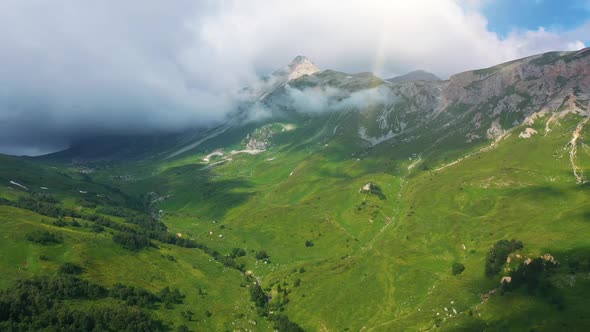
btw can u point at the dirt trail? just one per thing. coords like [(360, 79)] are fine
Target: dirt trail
[(573, 145)]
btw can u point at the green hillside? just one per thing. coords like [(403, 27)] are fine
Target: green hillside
[(347, 259), (392, 218)]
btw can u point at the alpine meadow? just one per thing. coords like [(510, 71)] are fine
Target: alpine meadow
[(320, 200)]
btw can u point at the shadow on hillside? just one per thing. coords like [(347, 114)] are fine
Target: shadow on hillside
[(539, 193), (195, 189), (555, 299), (585, 186)]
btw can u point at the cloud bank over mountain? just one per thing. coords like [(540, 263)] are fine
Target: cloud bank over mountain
[(75, 68)]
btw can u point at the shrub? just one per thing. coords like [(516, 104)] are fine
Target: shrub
[(70, 268), (458, 268), (134, 296), (282, 323), (170, 297), (44, 238), (258, 296), (60, 223), (43, 197), (132, 241), (498, 254), (96, 228), (262, 255), (37, 304), (237, 252)]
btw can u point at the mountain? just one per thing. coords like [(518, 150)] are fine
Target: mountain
[(300, 66), (328, 201), (416, 75)]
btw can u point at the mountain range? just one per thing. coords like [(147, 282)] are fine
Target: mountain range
[(327, 201)]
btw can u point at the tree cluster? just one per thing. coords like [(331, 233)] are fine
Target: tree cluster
[(40, 303), (131, 241), (114, 211), (261, 300), (237, 252), (262, 255), (70, 268), (44, 237), (498, 254)]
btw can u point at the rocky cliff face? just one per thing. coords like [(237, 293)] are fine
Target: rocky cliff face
[(515, 90), (300, 66), (546, 79), (483, 103), (367, 111)]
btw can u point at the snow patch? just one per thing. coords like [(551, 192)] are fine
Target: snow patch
[(288, 127), (374, 140), (414, 163), (197, 143), (18, 185), (530, 120), (335, 129), (248, 151), (527, 133), (212, 154)]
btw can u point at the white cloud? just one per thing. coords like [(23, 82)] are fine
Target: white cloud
[(388, 37), (328, 99), (68, 68)]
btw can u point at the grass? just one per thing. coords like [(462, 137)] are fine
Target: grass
[(376, 264), (151, 269)]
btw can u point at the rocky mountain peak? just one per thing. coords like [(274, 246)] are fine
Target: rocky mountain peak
[(300, 66)]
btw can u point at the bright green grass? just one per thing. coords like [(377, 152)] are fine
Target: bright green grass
[(107, 264), (396, 275), (384, 265)]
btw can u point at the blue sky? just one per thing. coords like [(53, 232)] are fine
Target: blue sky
[(554, 15)]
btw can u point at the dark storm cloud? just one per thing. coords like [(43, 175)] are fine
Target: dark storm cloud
[(72, 68)]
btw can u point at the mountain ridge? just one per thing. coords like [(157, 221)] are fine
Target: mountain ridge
[(416, 75), (354, 204), (492, 100)]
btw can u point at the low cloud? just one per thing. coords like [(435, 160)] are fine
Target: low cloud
[(69, 69), (330, 99)]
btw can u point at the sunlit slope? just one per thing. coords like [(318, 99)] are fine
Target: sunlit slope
[(385, 263), (372, 218), (523, 189), (214, 293), (208, 285)]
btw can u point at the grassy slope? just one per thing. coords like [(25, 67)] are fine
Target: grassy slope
[(381, 265), (519, 190), (107, 263), (378, 274)]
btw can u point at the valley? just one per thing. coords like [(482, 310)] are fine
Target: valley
[(354, 204)]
